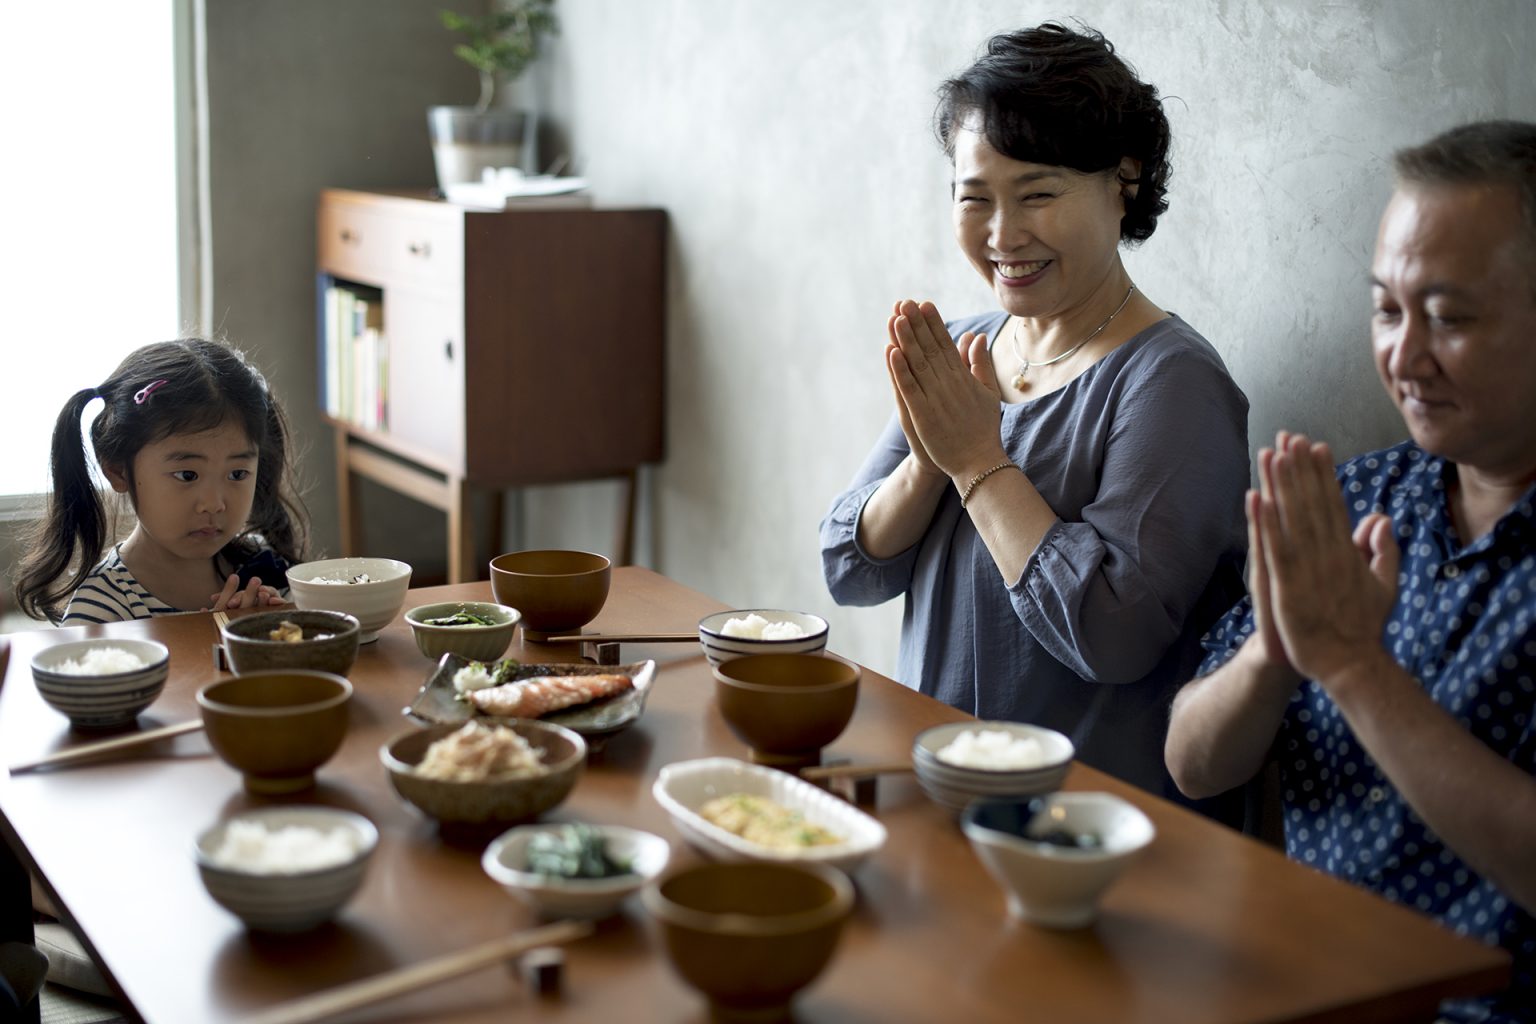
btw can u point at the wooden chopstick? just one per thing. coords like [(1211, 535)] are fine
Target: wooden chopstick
[(621, 638), (89, 750), (220, 620), (406, 979), (854, 771)]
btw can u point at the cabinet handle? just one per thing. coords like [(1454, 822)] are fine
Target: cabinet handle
[(448, 350), (422, 249), (350, 237)]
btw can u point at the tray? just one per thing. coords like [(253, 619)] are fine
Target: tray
[(437, 702)]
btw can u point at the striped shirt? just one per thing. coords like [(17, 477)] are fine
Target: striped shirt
[(111, 594)]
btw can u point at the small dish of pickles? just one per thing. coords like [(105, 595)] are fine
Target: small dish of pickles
[(573, 870)]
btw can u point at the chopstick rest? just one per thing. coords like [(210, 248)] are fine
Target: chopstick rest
[(344, 998)]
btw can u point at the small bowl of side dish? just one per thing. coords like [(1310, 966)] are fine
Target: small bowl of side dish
[(500, 799), (276, 728), (556, 591), (477, 630), (786, 707), (539, 865), (727, 635), (370, 589), (800, 823), (1054, 856), (750, 937), (292, 638), (963, 761), (102, 683), (285, 869)]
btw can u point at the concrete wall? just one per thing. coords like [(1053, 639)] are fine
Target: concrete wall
[(304, 96), (791, 142)]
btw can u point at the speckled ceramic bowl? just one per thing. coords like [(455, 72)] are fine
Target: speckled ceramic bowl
[(329, 644), (504, 801)]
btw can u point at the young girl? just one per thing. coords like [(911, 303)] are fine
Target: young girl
[(193, 436)]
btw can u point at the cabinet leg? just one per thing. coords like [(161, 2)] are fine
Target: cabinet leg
[(461, 534), (497, 514), (346, 496), (624, 543)]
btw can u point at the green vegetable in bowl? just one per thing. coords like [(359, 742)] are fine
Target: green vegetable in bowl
[(461, 618), (573, 851)]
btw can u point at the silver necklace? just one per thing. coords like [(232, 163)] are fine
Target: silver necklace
[(1020, 384)]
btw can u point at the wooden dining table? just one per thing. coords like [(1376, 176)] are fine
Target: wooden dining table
[(1207, 925)]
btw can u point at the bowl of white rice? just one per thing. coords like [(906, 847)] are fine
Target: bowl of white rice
[(285, 869), (102, 683), (963, 761), (734, 634)]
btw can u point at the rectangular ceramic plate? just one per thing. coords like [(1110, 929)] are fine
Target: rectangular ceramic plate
[(685, 786), (438, 702)]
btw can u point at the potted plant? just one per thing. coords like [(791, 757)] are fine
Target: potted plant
[(500, 46)]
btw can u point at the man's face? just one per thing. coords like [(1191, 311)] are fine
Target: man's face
[(1454, 324)]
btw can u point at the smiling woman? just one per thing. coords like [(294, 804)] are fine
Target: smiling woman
[(1062, 512), (92, 205)]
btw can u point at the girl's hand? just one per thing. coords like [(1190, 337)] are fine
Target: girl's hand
[(952, 403), (253, 596)]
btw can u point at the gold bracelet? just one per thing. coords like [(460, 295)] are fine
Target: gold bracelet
[(965, 495)]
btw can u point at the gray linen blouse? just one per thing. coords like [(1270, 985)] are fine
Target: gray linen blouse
[(1144, 458)]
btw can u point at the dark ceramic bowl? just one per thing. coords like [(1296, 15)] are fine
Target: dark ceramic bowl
[(276, 728), (329, 644), (556, 591), (750, 936), (505, 801), (786, 707)]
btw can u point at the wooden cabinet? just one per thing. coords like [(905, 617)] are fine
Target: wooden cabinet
[(523, 347)]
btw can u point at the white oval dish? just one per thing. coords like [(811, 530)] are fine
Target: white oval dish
[(684, 787)]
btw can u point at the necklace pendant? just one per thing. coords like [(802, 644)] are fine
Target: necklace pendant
[(1019, 383)]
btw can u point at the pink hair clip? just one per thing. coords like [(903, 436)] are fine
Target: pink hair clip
[(146, 391)]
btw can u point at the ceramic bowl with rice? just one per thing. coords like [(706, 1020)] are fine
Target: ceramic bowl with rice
[(285, 869), (959, 762), (103, 683), (727, 635)]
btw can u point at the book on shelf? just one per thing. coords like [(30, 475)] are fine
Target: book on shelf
[(355, 363)]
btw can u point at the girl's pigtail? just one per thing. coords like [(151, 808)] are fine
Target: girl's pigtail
[(75, 521)]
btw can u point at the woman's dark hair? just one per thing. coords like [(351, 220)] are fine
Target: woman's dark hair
[(169, 388), (1050, 95)]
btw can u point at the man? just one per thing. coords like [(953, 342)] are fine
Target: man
[(1387, 653)]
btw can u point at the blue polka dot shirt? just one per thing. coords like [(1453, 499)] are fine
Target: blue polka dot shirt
[(1465, 626)]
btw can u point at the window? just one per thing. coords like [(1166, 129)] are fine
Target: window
[(92, 208)]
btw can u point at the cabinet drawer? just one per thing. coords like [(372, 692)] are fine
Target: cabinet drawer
[(384, 246)]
